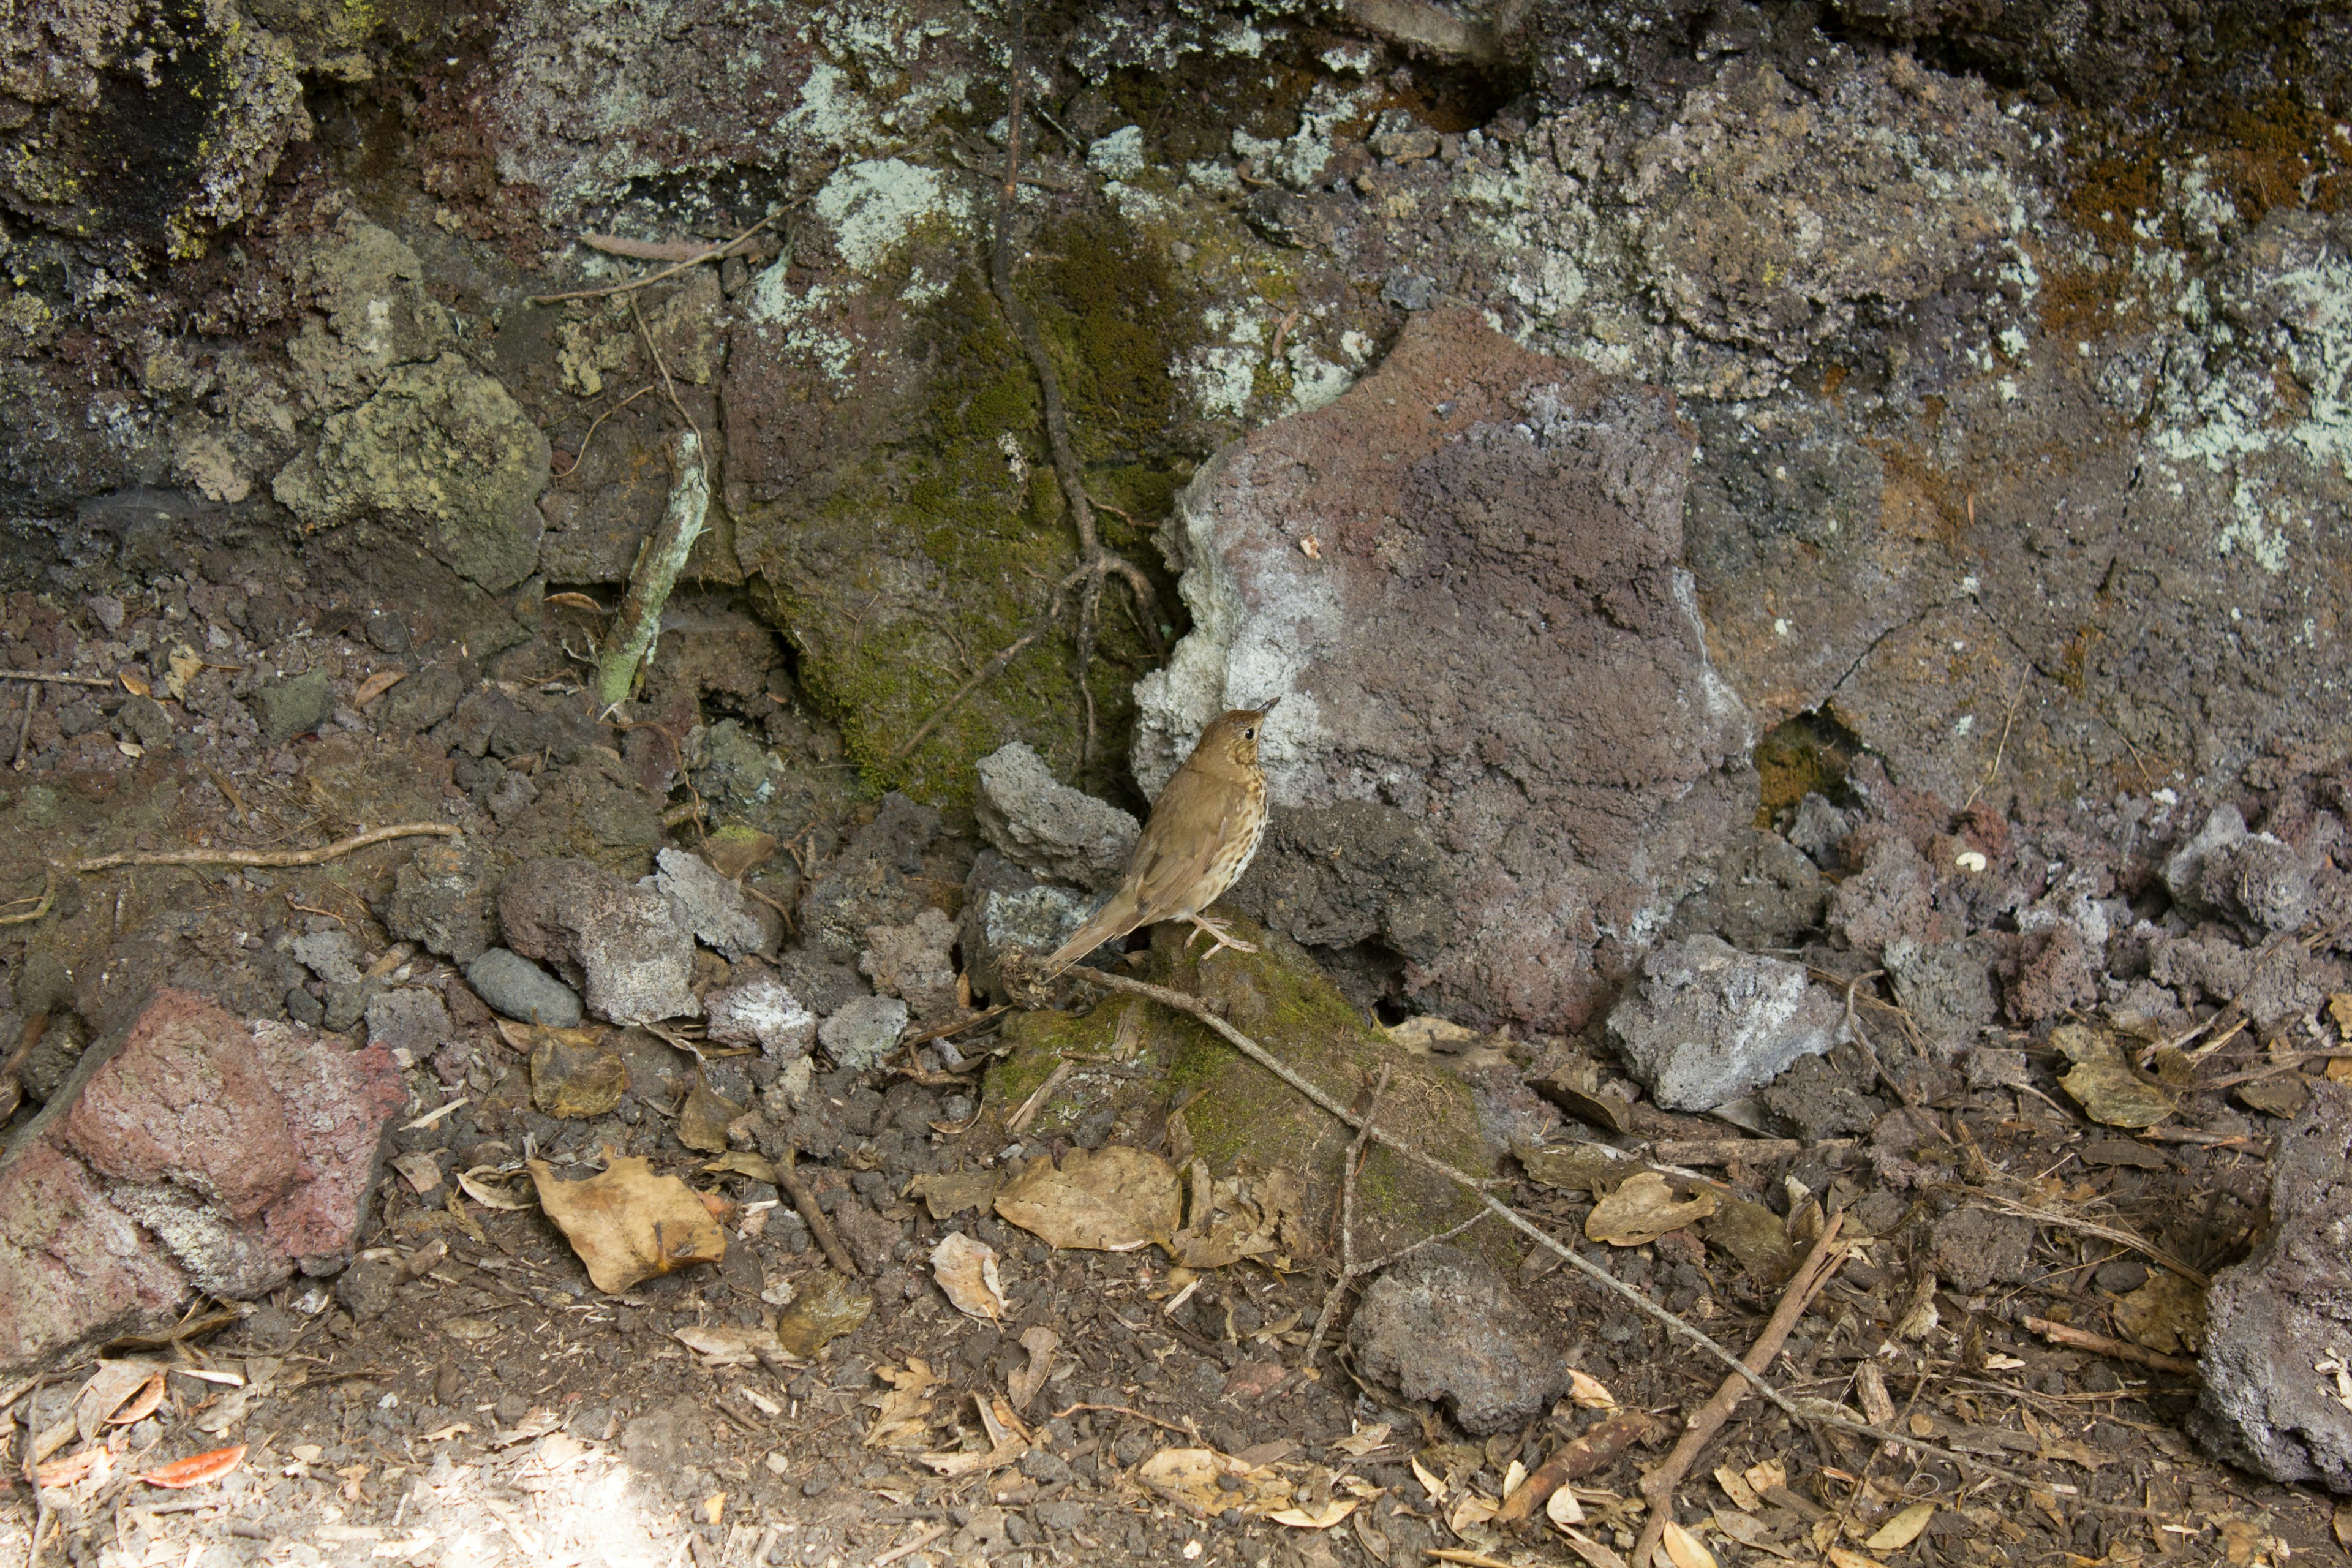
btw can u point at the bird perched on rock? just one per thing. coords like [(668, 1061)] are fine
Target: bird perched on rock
[(1204, 827)]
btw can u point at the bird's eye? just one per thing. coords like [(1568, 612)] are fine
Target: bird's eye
[(1249, 734)]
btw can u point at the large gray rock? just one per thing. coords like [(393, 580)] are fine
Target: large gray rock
[(446, 899), (2285, 1311), (1047, 828), (865, 1030), (632, 958), (759, 1010), (1443, 1325), (1462, 579), (913, 962), (1707, 1023)]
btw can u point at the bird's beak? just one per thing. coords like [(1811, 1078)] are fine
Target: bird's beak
[(1271, 703)]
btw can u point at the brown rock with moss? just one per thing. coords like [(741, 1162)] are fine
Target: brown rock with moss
[(1235, 1111)]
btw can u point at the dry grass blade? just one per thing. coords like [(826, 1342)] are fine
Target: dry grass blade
[(2138, 1244)]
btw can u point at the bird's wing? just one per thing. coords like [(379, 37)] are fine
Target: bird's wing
[(1171, 864)]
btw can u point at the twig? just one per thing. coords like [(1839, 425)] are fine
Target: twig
[(1036, 1101), (1607, 1438), (1819, 1411), (912, 1546), (581, 456), (956, 1027), (57, 680), (2118, 1350), (638, 624), (1853, 1027), (266, 857), (48, 897), (25, 724), (788, 1177), (661, 249), (1658, 1487), (1998, 752), (1124, 1410), (636, 283), (987, 672)]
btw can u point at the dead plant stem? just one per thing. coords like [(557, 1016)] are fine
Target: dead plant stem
[(713, 254), (269, 859)]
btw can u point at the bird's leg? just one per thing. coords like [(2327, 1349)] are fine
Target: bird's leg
[(1220, 937)]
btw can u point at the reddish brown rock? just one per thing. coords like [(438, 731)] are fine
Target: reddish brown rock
[(1464, 580), (189, 1151)]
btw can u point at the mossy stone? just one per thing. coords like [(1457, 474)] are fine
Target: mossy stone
[(1242, 1113)]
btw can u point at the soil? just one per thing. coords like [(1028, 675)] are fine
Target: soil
[(462, 1394)]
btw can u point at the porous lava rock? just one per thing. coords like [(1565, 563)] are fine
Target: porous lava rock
[(1462, 579), (1443, 1325), (190, 1150), (632, 958), (2286, 1310)]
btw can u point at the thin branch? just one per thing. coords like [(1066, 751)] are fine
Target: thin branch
[(57, 680), (268, 858), (712, 253), (581, 456), (1658, 1487), (788, 1177)]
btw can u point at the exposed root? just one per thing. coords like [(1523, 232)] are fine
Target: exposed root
[(267, 858)]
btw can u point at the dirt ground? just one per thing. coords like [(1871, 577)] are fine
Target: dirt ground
[(462, 1394)]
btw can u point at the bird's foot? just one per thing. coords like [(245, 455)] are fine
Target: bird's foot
[(1220, 937)]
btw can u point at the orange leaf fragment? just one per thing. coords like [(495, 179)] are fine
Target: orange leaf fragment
[(376, 685), (197, 1468), (141, 1404), (135, 683)]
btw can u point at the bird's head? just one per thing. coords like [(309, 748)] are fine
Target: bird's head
[(1233, 736)]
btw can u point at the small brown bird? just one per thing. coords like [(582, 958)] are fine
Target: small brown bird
[(1204, 827)]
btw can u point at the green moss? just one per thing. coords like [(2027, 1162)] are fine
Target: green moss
[(938, 550)]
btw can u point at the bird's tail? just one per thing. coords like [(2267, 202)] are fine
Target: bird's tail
[(1119, 914)]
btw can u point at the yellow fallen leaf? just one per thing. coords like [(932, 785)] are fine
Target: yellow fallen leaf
[(1428, 1483), (1685, 1549), (1116, 1200), (966, 1271), (1902, 1530), (135, 684), (1643, 1208), (1332, 1513), (629, 1224), (1589, 1392)]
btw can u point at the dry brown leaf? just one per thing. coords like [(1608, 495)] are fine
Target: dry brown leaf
[(1241, 1216), (1359, 1443), (481, 1185), (957, 1466), (1840, 1557), (141, 1404), (1116, 1200), (903, 1412), (2102, 1082), (825, 1306), (135, 683), (1471, 1512), (1429, 1482), (1902, 1530), (1589, 1392), (966, 1271), (421, 1170), (735, 849), (2166, 1314), (948, 1193), (729, 1344), (1641, 1209), (1041, 1342), (1561, 1507), (1735, 1486), (185, 665), (376, 685), (744, 1162), (628, 1224), (1330, 1514), (90, 1463), (572, 1080), (1592, 1551), (1685, 1548), (703, 1120), (197, 1468), (111, 1384), (1749, 1532), (1187, 1478)]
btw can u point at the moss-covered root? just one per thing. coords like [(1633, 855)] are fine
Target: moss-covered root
[(659, 561)]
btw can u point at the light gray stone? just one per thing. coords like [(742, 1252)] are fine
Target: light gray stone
[(865, 1030), (511, 985), (1047, 828), (1707, 1023)]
